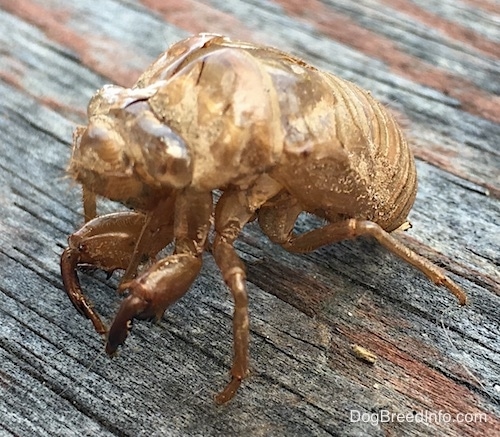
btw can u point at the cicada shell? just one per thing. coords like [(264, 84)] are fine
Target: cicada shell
[(275, 135)]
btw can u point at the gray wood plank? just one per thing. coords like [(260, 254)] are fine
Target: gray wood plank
[(435, 65)]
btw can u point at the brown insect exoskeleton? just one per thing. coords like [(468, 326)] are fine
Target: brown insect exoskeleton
[(275, 135)]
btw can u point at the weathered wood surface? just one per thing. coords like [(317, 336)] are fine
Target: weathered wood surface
[(435, 63)]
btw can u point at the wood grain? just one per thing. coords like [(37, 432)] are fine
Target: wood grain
[(436, 64)]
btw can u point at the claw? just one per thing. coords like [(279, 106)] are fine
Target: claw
[(131, 307), (151, 293), (69, 262), (90, 246)]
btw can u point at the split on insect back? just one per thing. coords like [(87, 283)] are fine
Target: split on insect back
[(274, 134)]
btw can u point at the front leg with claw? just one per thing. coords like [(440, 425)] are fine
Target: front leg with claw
[(109, 242), (164, 282), (151, 293)]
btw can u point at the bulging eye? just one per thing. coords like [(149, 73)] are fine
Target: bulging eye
[(101, 142), (100, 163), (164, 152)]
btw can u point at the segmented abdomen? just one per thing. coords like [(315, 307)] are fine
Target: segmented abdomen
[(345, 144), (387, 164)]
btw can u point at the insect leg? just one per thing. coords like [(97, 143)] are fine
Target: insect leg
[(434, 273), (353, 228), (158, 228), (230, 217), (277, 217), (69, 263), (104, 242), (170, 278), (89, 204), (235, 209), (151, 293)]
